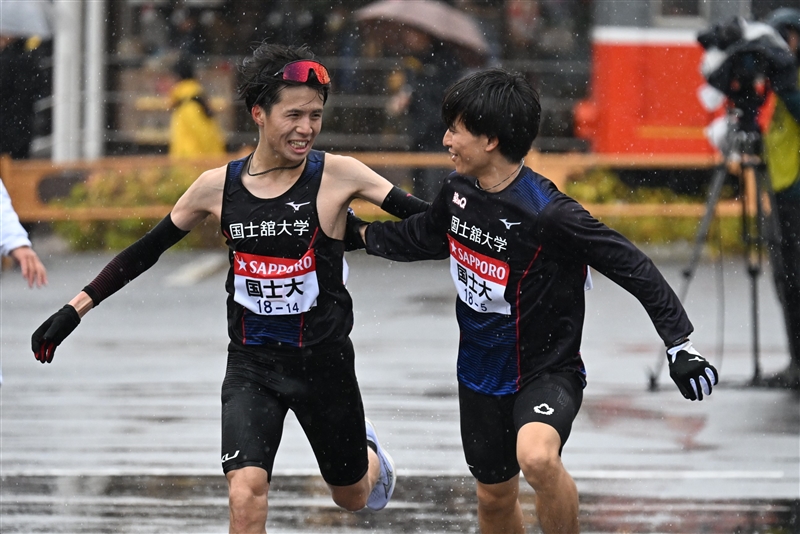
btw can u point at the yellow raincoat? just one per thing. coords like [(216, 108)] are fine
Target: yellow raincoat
[(192, 132), (782, 148)]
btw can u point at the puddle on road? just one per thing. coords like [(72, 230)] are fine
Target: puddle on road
[(198, 504)]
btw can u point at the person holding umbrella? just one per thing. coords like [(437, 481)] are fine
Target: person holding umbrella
[(435, 43), (519, 254), (282, 210)]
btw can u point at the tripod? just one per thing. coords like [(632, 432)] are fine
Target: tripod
[(742, 157)]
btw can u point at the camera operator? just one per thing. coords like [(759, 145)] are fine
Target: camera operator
[(782, 155), (745, 61)]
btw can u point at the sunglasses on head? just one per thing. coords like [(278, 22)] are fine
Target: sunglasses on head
[(300, 71)]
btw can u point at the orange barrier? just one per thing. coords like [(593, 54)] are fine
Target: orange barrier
[(24, 178)]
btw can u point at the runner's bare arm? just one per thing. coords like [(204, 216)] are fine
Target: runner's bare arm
[(203, 197), (356, 179), (345, 178), (372, 187)]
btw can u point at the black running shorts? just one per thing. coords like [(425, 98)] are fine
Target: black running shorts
[(318, 385), (489, 424)]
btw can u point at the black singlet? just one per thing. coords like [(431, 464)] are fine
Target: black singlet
[(286, 280)]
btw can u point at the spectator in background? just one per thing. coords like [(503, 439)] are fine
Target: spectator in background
[(782, 154), (20, 87), (193, 129), (543, 28), (289, 21), (15, 244), (186, 33), (428, 68)]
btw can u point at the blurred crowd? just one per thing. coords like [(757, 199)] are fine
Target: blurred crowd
[(213, 34)]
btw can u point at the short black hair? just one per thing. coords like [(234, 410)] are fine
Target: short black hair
[(499, 104), (260, 86)]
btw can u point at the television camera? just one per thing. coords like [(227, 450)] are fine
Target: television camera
[(744, 61)]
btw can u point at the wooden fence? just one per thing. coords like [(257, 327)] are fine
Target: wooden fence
[(25, 179)]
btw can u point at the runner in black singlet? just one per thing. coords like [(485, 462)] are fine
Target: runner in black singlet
[(519, 254), (283, 212)]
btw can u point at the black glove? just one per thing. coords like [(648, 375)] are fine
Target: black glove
[(692, 373), (53, 331), (352, 234)]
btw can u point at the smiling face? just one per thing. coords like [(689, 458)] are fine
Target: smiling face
[(289, 129), (468, 151)]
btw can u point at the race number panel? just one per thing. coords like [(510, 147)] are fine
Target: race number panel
[(275, 286), (480, 280)]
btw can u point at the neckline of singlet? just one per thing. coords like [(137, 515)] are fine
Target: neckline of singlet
[(300, 179)]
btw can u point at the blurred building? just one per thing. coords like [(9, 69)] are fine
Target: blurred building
[(112, 61)]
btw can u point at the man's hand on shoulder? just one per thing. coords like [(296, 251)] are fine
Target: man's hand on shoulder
[(354, 231)]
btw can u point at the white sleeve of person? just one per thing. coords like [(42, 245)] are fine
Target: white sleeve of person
[(692, 373), (12, 234)]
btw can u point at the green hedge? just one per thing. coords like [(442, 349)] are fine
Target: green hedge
[(165, 185), (602, 186), (141, 187)]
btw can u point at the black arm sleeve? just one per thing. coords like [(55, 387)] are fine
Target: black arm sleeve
[(569, 229), (402, 204), (134, 260), (422, 236)]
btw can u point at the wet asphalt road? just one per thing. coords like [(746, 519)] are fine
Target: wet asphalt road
[(121, 432)]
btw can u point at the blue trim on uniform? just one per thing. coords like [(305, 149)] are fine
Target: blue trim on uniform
[(316, 158), (487, 353), (530, 192), (235, 168), (263, 329)]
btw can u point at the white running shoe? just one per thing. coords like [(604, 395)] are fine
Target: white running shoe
[(384, 487)]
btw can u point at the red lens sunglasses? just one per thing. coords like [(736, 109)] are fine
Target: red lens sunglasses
[(300, 71)]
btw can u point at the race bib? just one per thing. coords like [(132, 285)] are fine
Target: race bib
[(480, 280), (275, 286)]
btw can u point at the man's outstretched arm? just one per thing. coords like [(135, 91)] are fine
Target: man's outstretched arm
[(566, 227), (421, 236), (126, 266), (203, 197)]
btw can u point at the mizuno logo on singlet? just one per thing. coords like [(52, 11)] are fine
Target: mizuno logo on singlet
[(509, 224), (296, 206)]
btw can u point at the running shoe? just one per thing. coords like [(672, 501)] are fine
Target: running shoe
[(384, 487)]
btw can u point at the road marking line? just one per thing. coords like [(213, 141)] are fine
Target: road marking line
[(650, 474)]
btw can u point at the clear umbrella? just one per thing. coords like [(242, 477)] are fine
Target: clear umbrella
[(430, 16)]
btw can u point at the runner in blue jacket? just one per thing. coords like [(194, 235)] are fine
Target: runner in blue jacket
[(519, 254)]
